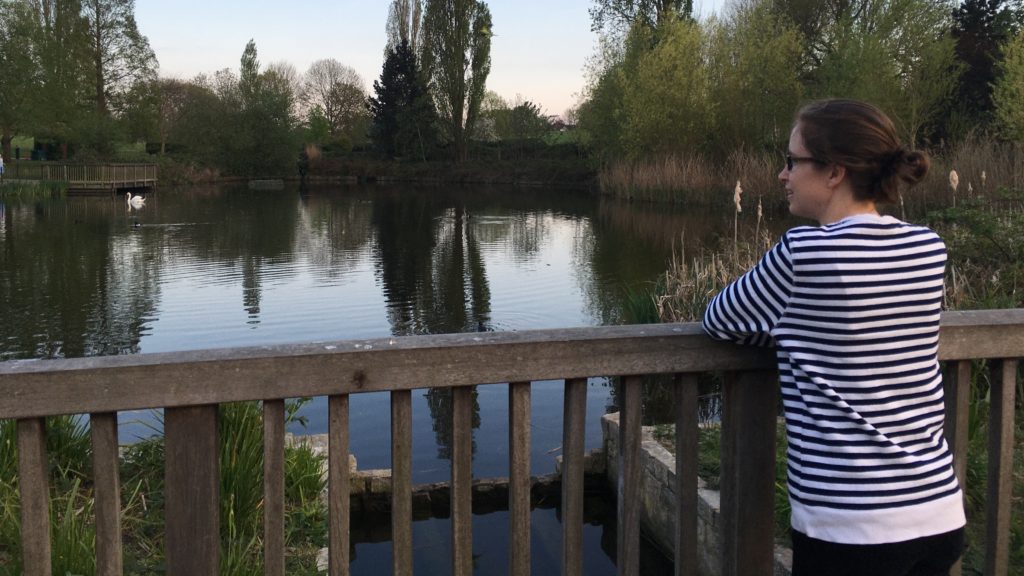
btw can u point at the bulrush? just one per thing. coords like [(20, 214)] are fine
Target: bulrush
[(954, 182)]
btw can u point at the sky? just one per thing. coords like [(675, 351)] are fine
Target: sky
[(538, 53)]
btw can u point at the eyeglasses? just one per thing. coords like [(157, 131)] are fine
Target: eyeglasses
[(791, 160)]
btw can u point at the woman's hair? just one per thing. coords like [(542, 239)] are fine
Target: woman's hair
[(863, 139)]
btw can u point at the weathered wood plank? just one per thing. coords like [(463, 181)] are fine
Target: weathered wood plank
[(573, 436), (462, 481), (749, 402), (519, 478), (957, 392), (273, 487), (401, 482), (338, 485), (998, 504), (111, 383), (34, 484), (629, 497), (107, 488), (686, 474), (192, 490)]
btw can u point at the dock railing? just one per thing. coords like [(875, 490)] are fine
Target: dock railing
[(190, 385), (86, 176)]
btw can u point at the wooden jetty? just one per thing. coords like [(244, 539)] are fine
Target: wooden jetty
[(89, 178)]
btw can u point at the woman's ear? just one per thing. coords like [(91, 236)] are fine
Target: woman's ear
[(836, 175)]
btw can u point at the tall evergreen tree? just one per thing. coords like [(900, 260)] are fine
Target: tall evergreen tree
[(19, 74), (403, 114), (456, 60), (980, 28)]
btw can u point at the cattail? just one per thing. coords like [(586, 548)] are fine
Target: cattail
[(737, 193), (970, 189), (983, 178), (760, 216), (954, 182)]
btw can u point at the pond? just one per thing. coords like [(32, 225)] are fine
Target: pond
[(213, 267)]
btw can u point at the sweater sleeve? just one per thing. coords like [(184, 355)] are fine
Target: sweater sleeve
[(748, 309)]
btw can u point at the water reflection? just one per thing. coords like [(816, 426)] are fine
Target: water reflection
[(214, 266)]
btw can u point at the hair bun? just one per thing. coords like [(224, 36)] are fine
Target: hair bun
[(912, 165)]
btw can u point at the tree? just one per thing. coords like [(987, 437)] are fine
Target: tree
[(1008, 92), (755, 76), (402, 111), (456, 58), (980, 28), (20, 77), (62, 49), (261, 142), (337, 90), (667, 106), (120, 55), (405, 18), (619, 16)]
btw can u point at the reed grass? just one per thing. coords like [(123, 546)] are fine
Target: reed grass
[(985, 167), (32, 190), (72, 516)]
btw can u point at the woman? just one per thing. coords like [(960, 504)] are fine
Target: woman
[(852, 307)]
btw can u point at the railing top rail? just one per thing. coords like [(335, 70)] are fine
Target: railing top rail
[(34, 388)]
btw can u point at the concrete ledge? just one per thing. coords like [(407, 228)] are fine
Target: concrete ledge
[(657, 518)]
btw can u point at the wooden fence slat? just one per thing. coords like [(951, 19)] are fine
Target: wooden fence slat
[(273, 487), (629, 497), (957, 393), (687, 446), (749, 407), (338, 485), (462, 481), (519, 478), (33, 481), (573, 436), (401, 482), (107, 488), (998, 504), (192, 490)]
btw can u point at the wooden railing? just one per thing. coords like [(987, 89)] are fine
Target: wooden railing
[(87, 176), (190, 385)]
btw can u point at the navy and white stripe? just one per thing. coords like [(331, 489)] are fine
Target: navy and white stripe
[(853, 311)]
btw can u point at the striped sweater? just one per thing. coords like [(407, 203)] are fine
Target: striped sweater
[(852, 309)]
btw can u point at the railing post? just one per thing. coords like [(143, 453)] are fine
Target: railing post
[(34, 482), (192, 491), (998, 505), (687, 447), (519, 478), (957, 394), (462, 481), (749, 408), (273, 488), (573, 430), (628, 499), (338, 486), (401, 482), (107, 487)]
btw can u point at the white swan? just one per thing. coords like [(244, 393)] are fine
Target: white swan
[(135, 201)]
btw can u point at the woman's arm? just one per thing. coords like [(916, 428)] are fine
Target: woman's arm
[(747, 309)]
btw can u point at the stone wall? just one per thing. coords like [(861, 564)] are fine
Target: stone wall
[(657, 516)]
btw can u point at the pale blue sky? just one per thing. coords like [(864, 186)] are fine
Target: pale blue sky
[(539, 49)]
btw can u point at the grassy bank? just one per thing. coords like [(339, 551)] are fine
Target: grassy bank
[(569, 173), (701, 180), (73, 523), (31, 190)]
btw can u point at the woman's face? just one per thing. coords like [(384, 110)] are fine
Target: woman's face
[(807, 189)]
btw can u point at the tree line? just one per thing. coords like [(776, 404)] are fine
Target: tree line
[(79, 76), (664, 83)]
